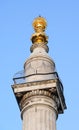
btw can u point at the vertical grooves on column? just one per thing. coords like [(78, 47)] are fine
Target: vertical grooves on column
[(45, 119), (28, 121), (33, 119), (36, 119), (48, 114), (49, 119), (40, 119)]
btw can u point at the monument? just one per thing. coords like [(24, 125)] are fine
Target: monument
[(38, 88)]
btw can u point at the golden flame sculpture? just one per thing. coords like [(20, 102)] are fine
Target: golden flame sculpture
[(39, 25)]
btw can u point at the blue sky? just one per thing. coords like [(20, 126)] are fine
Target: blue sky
[(16, 18)]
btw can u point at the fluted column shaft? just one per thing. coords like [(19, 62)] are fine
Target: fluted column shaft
[(39, 113)]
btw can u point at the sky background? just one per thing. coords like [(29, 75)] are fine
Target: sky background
[(16, 18)]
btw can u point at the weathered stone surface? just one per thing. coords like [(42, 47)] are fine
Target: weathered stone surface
[(39, 63), (40, 114), (40, 97)]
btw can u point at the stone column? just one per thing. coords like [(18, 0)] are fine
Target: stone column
[(39, 112), (40, 96)]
